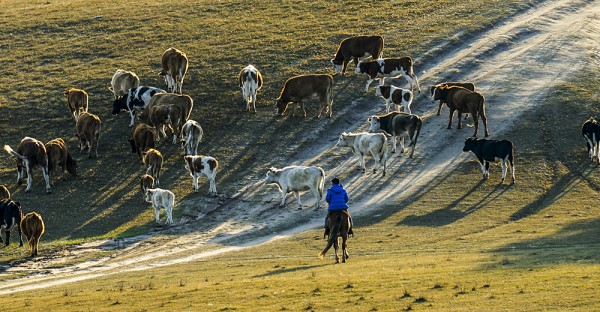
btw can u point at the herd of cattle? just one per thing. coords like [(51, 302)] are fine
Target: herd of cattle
[(152, 110)]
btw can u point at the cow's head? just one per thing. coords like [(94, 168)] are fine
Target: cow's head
[(374, 124), (280, 107), (342, 140), (361, 67), (470, 144), (71, 165), (149, 193), (273, 176), (119, 105), (337, 65), (440, 93)]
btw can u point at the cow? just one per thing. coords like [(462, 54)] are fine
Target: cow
[(392, 94), (88, 132), (298, 178), (191, 136), (433, 89), (400, 125), (60, 157), (174, 67), (161, 199), (389, 67), (591, 133), (198, 165), (136, 99), (11, 214), (364, 144), (184, 102), (491, 151), (354, 48), (122, 81), (4, 192), (161, 116), (77, 100), (153, 160), (146, 182), (143, 138), (298, 88), (250, 80), (463, 100), (30, 153), (32, 225)]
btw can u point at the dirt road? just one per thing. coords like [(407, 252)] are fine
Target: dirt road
[(513, 65)]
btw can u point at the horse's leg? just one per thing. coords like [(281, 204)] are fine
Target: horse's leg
[(344, 251), (336, 246)]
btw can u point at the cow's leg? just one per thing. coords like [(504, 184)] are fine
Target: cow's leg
[(416, 80), (283, 194), (440, 107), (476, 122), (302, 106), (157, 213), (29, 175), (368, 83), (213, 186), (377, 160), (7, 236), (132, 114), (503, 164), (362, 162), (459, 120), (394, 143), (254, 99), (450, 119), (20, 234), (487, 169), (482, 163), (297, 194), (21, 173), (315, 193), (169, 211), (47, 179), (402, 144), (195, 178), (484, 120)]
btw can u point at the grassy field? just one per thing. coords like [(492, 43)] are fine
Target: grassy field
[(461, 245)]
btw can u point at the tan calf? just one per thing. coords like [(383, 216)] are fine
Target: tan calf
[(77, 101)]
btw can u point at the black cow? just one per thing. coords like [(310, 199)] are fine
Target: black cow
[(11, 214), (591, 133), (136, 98), (492, 150)]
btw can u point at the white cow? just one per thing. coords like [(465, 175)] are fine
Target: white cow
[(122, 81), (367, 143), (191, 135), (298, 178), (202, 165), (250, 80), (161, 199)]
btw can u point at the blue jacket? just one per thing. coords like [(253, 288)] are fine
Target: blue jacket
[(337, 198)]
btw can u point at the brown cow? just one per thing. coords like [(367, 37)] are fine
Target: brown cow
[(298, 88), (159, 116), (433, 89), (122, 81), (59, 156), (463, 100), (153, 159), (142, 139), (389, 67), (77, 100), (4, 192), (354, 48), (32, 225), (174, 67), (31, 153), (88, 132), (146, 182)]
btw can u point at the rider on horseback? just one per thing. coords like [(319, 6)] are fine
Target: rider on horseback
[(337, 198)]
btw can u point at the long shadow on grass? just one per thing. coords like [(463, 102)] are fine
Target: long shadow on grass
[(289, 270), (579, 172), (575, 243)]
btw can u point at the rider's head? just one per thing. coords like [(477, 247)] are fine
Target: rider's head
[(335, 181)]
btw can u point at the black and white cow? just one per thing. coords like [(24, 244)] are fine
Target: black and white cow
[(389, 67), (392, 94), (591, 133), (298, 178), (363, 144), (398, 124), (250, 80), (353, 48), (11, 214), (191, 136), (198, 165), (492, 150), (135, 99)]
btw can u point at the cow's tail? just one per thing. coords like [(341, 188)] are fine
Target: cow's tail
[(321, 182), (9, 150)]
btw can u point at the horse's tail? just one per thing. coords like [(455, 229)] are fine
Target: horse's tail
[(333, 235)]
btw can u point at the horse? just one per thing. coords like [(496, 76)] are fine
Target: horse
[(338, 223)]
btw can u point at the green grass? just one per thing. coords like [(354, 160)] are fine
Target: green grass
[(459, 245)]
